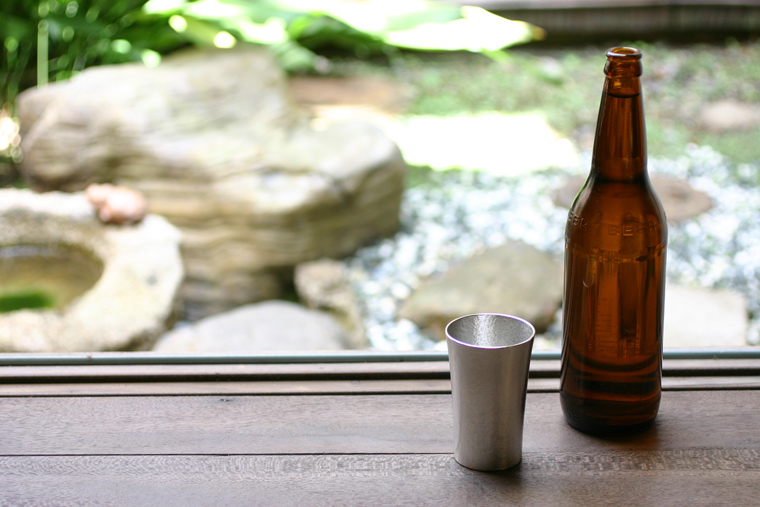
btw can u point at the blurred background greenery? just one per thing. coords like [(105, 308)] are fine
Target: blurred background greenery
[(456, 59), (50, 40), (46, 41)]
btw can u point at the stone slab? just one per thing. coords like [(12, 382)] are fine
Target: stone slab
[(270, 326)]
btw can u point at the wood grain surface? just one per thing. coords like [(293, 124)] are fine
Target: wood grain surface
[(323, 438), (342, 424), (662, 478)]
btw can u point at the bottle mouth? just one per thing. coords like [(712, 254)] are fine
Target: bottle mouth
[(623, 62), (624, 53)]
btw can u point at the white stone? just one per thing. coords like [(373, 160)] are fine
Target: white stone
[(270, 326), (697, 318)]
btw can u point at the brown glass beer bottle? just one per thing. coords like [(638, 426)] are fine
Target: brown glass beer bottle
[(615, 245)]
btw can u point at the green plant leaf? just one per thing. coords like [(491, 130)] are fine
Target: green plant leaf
[(378, 16), (259, 11), (271, 32), (201, 32), (478, 30)]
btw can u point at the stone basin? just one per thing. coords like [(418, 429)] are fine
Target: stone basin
[(69, 283), (45, 275)]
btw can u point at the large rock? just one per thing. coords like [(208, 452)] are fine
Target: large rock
[(50, 243), (324, 285), (215, 143), (515, 278), (269, 326)]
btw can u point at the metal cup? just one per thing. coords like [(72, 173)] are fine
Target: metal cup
[(489, 357)]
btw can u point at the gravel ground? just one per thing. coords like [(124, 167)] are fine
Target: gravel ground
[(453, 214)]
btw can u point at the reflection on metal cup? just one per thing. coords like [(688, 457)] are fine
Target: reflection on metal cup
[(489, 357)]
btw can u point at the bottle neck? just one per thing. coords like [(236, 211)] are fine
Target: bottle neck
[(620, 151)]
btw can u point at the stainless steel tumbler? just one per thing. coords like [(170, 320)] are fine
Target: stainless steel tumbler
[(489, 357)]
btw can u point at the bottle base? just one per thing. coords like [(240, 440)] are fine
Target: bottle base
[(607, 417)]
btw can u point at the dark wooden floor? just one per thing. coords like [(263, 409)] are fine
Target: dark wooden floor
[(355, 434)]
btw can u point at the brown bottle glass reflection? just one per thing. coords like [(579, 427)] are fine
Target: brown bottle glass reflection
[(615, 244)]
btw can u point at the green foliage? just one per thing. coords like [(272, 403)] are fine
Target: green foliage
[(50, 40), (299, 29)]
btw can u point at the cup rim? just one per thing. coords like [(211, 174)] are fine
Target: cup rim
[(490, 347)]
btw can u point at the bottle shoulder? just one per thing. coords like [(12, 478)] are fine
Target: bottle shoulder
[(618, 201)]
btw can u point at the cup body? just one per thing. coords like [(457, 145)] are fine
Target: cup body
[(489, 358)]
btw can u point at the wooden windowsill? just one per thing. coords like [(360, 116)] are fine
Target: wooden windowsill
[(354, 433)]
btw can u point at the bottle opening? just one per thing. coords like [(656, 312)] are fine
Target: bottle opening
[(623, 52), (623, 62)]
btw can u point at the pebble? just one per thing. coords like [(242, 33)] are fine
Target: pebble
[(117, 205)]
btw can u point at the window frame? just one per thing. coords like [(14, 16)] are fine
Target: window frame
[(146, 367)]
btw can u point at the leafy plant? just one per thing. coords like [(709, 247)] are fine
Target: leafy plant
[(50, 40), (297, 30)]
